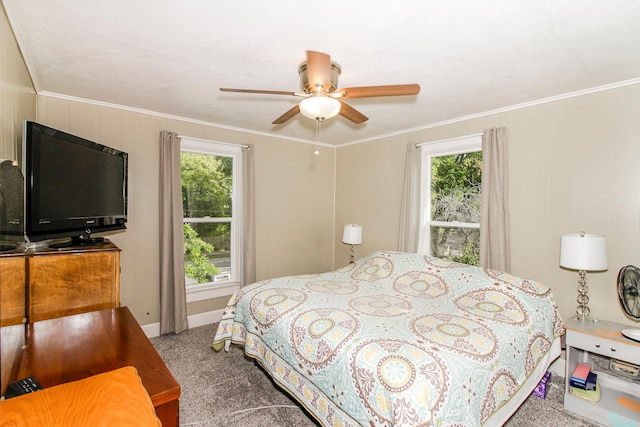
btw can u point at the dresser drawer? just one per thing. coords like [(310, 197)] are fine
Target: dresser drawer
[(605, 347)]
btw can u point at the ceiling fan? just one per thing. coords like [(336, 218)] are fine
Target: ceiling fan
[(322, 98)]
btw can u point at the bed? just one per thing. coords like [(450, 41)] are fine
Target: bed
[(399, 339)]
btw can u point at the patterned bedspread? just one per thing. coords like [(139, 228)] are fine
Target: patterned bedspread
[(396, 339)]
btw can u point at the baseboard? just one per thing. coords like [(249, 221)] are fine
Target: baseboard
[(195, 320)]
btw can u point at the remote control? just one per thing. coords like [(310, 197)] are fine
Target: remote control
[(23, 386)]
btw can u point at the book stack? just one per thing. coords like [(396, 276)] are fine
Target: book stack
[(584, 383)]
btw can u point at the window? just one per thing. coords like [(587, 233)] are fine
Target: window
[(450, 199), (212, 205)]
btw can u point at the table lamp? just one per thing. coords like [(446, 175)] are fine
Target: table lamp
[(352, 235), (583, 252)]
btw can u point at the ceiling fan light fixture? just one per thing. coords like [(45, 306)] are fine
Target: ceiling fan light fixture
[(319, 107), (323, 100)]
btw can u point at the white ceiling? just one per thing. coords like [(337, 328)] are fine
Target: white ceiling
[(469, 56)]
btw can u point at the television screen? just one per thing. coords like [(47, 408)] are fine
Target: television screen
[(73, 187)]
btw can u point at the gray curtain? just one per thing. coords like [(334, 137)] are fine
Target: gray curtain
[(410, 206), (494, 217), (249, 221), (173, 294)]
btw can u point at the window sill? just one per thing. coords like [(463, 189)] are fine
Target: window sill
[(211, 290)]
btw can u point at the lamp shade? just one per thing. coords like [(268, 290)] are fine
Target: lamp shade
[(352, 234), (586, 252), (319, 107)]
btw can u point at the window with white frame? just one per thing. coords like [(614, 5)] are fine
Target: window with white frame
[(211, 175), (451, 179)]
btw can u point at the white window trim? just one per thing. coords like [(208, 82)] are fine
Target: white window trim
[(223, 288), (211, 290), (428, 150)]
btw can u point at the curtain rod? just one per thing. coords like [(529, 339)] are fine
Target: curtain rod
[(215, 142), (420, 144)]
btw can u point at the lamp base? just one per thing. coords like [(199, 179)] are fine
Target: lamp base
[(585, 319), (583, 311)]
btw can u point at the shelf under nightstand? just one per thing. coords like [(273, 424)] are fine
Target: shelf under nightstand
[(590, 343)]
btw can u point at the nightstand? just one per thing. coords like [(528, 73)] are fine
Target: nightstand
[(596, 344)]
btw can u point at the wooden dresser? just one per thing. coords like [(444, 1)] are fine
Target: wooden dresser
[(61, 282), (12, 314), (40, 284), (75, 326), (12, 291)]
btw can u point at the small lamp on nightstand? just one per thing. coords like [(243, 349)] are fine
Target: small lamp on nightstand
[(583, 252), (352, 235)]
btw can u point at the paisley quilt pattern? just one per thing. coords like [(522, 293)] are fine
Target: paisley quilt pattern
[(396, 339)]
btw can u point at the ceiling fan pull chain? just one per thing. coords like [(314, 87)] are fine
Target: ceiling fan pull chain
[(318, 133)]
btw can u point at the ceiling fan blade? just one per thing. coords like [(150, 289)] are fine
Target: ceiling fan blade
[(373, 91), (318, 70), (267, 92), (351, 113), (286, 116)]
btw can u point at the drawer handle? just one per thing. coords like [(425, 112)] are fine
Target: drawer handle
[(597, 345), (613, 349)]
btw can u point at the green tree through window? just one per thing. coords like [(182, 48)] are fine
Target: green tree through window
[(450, 199), (207, 206), (455, 198)]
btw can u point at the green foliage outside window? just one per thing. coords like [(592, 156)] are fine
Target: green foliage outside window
[(206, 193), (455, 196), (196, 250), (206, 185), (471, 253)]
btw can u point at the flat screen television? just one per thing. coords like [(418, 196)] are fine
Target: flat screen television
[(73, 187)]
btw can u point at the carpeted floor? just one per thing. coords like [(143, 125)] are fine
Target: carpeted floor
[(227, 389)]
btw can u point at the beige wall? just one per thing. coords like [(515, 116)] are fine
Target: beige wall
[(573, 166), (17, 95), (294, 197)]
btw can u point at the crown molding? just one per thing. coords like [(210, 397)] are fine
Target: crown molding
[(180, 118), (358, 141), (499, 110)]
